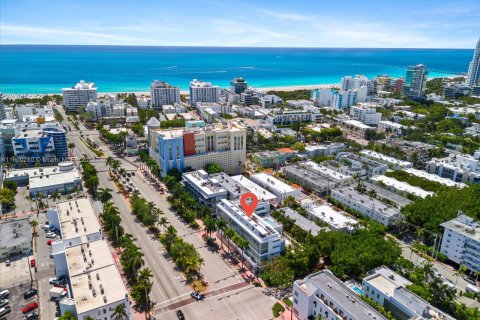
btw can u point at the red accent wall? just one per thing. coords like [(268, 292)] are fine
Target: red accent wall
[(188, 143)]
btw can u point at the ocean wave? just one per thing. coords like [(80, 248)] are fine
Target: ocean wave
[(172, 67), (247, 67)]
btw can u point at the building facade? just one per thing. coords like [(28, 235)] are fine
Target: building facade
[(79, 95), (415, 81), (279, 188), (162, 94), (203, 92), (473, 77), (238, 85)]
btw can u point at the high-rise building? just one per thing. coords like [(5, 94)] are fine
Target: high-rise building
[(2, 108), (238, 85), (203, 92), (415, 81), (196, 147), (163, 94), (350, 83), (474, 69), (79, 95)]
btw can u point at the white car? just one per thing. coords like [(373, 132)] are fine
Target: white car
[(51, 235)]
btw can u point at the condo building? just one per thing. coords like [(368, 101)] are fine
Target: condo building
[(415, 81), (322, 295), (162, 94), (461, 241), (279, 188), (263, 234), (79, 95), (473, 78), (203, 92), (391, 162), (196, 147), (366, 113), (457, 167), (207, 190), (238, 85)]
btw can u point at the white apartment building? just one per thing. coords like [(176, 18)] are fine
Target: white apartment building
[(366, 114), (205, 189), (366, 205), (131, 111), (118, 109), (400, 187), (29, 110), (79, 95), (99, 109), (96, 286), (207, 110), (262, 194), (323, 97), (461, 241), (354, 161), (391, 162), (388, 289), (279, 188), (336, 219), (322, 295), (203, 92), (435, 178), (162, 94), (264, 241), (357, 128), (456, 167), (351, 83), (287, 117), (391, 126), (344, 99), (324, 150)]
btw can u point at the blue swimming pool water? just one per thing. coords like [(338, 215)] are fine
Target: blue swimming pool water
[(357, 290)]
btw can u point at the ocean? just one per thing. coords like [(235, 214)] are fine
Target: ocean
[(49, 68)]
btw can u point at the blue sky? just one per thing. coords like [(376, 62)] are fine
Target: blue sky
[(298, 23)]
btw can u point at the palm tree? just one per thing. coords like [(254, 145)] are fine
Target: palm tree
[(210, 226), (428, 269), (476, 274), (104, 194), (220, 227), (109, 163), (229, 234), (163, 222), (34, 225), (171, 235), (120, 312), (242, 244), (116, 165), (71, 146), (200, 262)]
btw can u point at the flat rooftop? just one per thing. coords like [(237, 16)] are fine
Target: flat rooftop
[(88, 257), (335, 218), (209, 186), (60, 178), (463, 229), (77, 218), (383, 284), (358, 124), (30, 133), (261, 193), (273, 182), (94, 289), (234, 188), (435, 178), (385, 158), (342, 295), (15, 232), (391, 196), (325, 171), (368, 201), (311, 176), (301, 221), (402, 186), (364, 160)]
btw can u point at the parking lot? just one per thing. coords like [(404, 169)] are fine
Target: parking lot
[(16, 278)]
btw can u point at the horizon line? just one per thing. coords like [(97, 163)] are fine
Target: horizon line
[(225, 47)]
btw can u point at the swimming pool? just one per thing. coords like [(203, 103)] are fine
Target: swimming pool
[(357, 290)]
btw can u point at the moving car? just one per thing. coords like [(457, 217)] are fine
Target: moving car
[(30, 293), (180, 315), (30, 307)]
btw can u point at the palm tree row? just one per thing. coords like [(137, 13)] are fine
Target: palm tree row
[(90, 176), (150, 163), (112, 222), (145, 211)]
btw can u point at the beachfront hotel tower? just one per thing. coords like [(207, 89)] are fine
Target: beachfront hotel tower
[(473, 78), (79, 95), (163, 94), (201, 91), (415, 81)]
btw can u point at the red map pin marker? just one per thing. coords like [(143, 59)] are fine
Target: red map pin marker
[(249, 202)]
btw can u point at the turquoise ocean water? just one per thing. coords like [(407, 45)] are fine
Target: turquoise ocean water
[(47, 69)]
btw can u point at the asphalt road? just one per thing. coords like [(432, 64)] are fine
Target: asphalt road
[(169, 286)]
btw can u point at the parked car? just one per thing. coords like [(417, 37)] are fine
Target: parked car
[(30, 307), (51, 235), (49, 242), (33, 263), (30, 293), (31, 316), (4, 294), (5, 310), (7, 263), (3, 303), (57, 280), (197, 295), (180, 315)]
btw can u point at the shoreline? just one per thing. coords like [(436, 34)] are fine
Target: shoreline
[(187, 92)]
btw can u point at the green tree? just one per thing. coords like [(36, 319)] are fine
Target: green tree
[(34, 224), (9, 184), (213, 168), (120, 312), (67, 315), (104, 194), (299, 146)]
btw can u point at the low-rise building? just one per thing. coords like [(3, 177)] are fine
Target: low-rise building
[(366, 205), (473, 130), (336, 219), (391, 162), (388, 289), (324, 149), (357, 128), (279, 188), (302, 222), (15, 237), (432, 177), (400, 187), (461, 241), (264, 241), (205, 189), (384, 195), (366, 113), (263, 195), (457, 167), (371, 167), (389, 126), (269, 159), (63, 178), (322, 295)]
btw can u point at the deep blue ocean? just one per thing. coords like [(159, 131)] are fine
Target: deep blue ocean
[(47, 69)]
